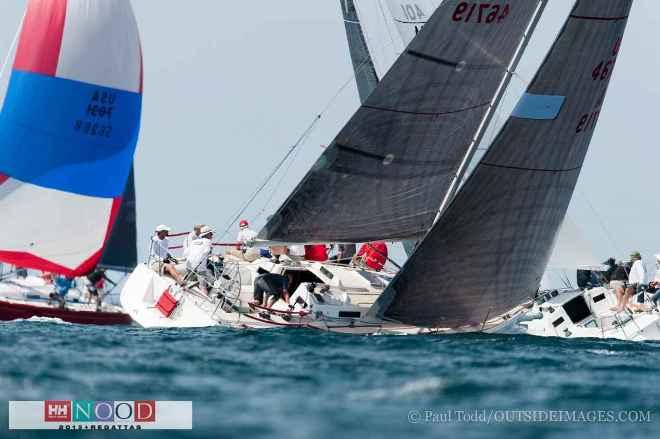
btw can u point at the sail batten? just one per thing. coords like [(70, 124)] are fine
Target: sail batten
[(488, 250), (412, 132)]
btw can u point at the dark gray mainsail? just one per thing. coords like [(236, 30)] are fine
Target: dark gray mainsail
[(488, 251), (365, 72), (120, 252), (385, 174)]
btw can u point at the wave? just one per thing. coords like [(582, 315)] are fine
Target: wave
[(35, 319), (407, 389)]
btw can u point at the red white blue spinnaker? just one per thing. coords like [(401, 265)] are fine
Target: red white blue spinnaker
[(69, 123)]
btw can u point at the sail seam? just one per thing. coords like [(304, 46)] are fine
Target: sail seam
[(585, 17), (424, 113), (522, 168)]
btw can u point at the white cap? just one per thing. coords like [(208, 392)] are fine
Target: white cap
[(162, 228), (657, 257), (205, 231)]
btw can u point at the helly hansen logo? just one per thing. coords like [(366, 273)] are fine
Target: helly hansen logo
[(57, 411), (99, 411)]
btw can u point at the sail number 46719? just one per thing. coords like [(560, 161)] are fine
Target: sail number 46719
[(477, 12)]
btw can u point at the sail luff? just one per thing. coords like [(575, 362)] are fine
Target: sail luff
[(363, 65), (488, 117), (488, 251)]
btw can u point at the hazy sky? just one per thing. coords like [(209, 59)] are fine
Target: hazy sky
[(229, 86)]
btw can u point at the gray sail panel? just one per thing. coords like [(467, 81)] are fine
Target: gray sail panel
[(385, 174), (488, 251), (120, 252), (363, 66)]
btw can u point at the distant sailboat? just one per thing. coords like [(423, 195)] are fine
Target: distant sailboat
[(69, 126)]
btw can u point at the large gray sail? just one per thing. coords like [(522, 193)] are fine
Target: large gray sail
[(385, 174), (488, 251), (365, 73), (120, 252)]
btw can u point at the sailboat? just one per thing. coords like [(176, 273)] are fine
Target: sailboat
[(79, 63), (446, 101), (483, 258)]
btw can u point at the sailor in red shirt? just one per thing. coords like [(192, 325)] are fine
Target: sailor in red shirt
[(373, 254), (316, 252)]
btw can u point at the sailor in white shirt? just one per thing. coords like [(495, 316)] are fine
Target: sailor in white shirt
[(656, 278), (197, 256), (199, 251), (192, 236), (245, 234), (637, 274), (636, 277), (242, 251), (159, 258)]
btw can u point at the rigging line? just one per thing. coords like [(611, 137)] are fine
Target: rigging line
[(278, 184), (271, 175), (300, 141), (609, 236), (305, 134)]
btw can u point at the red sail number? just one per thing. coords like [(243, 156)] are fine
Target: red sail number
[(480, 12)]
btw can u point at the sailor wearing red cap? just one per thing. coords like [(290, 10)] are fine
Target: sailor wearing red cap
[(245, 234)]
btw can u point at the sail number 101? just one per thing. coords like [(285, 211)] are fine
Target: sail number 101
[(480, 12)]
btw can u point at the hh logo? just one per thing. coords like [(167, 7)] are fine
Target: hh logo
[(57, 411)]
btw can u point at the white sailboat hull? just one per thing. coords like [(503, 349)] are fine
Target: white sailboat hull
[(565, 316)]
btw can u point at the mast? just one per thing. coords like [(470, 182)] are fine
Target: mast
[(363, 65)]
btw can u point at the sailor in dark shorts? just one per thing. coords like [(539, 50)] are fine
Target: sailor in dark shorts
[(273, 286)]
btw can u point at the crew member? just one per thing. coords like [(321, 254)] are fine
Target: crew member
[(192, 236), (243, 240), (197, 256), (160, 258), (96, 285), (373, 255), (270, 287), (636, 278)]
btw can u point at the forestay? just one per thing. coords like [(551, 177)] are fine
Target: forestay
[(488, 251), (68, 129), (385, 174)]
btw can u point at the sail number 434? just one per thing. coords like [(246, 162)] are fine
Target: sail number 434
[(477, 12)]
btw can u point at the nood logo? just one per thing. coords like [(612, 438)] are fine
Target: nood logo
[(100, 415), (99, 411)]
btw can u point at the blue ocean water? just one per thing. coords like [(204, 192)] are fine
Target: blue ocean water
[(308, 384)]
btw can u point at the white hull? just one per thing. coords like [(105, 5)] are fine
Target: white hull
[(352, 291), (587, 314), (337, 304)]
